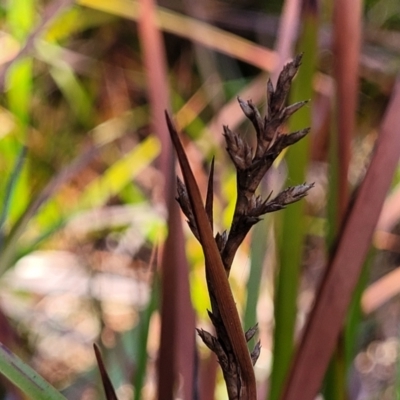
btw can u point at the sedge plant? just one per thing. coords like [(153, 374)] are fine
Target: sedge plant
[(229, 342)]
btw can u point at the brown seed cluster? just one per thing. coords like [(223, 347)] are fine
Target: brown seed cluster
[(252, 164), (229, 342)]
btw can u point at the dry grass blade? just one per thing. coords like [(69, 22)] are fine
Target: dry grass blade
[(326, 319), (347, 24), (391, 211), (176, 358), (157, 77), (193, 30), (381, 291), (242, 386), (108, 387)]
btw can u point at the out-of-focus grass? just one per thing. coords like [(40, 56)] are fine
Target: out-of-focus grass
[(25, 377), (20, 20), (293, 228), (79, 93), (346, 24)]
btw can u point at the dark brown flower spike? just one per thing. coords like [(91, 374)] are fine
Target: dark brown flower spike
[(229, 343), (251, 168)]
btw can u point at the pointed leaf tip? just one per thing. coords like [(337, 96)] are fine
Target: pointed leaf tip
[(108, 387)]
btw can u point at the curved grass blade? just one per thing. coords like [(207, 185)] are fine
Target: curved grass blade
[(96, 194), (25, 378), (20, 18)]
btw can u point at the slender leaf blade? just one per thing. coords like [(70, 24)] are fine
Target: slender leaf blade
[(25, 378)]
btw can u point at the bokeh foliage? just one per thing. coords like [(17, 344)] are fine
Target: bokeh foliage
[(80, 179)]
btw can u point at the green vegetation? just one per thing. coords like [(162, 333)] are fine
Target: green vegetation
[(93, 247)]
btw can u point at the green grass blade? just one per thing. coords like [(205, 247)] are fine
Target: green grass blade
[(120, 174), (73, 91), (19, 80), (20, 19), (293, 219), (142, 336), (99, 190), (25, 378), (56, 212), (72, 21), (258, 249), (9, 190)]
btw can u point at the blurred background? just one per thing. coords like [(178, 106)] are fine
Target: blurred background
[(86, 187)]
